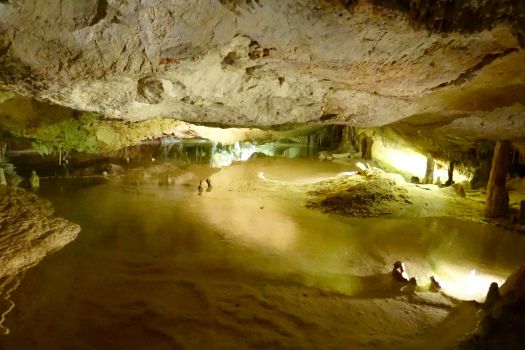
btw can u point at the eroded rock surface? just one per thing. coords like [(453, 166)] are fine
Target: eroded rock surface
[(267, 62), (28, 232)]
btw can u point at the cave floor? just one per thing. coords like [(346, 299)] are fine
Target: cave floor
[(247, 265)]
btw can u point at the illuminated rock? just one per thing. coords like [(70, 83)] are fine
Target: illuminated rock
[(28, 232), (34, 180), (497, 202), (266, 63)]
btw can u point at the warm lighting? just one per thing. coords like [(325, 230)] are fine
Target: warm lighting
[(407, 161), (347, 173), (243, 220), (361, 166), (471, 285), (404, 273)]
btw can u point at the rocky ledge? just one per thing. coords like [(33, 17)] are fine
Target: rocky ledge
[(28, 232)]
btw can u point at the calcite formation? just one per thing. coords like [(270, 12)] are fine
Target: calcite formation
[(28, 232), (455, 64), (497, 204)]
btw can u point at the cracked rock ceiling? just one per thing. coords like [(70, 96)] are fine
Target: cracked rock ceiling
[(457, 66)]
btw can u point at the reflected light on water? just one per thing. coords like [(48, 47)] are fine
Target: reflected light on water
[(251, 224), (466, 285)]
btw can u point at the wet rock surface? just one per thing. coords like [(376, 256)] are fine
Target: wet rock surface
[(28, 232)]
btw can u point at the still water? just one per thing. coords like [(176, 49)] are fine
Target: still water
[(245, 265)]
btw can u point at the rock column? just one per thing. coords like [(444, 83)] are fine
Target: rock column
[(366, 148), (429, 173), (497, 203), (345, 138), (450, 179)]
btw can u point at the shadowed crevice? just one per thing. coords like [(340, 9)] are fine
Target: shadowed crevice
[(101, 12)]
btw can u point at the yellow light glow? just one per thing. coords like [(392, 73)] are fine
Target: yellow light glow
[(411, 162), (471, 285), (361, 166), (269, 228), (405, 160), (347, 173)]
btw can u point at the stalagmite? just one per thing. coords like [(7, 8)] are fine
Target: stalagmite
[(345, 138), (450, 179), (497, 204), (429, 173), (34, 180), (366, 148)]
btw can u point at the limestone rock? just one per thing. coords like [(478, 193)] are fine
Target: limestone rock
[(515, 284), (367, 63), (29, 231)]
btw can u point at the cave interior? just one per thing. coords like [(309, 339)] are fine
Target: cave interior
[(307, 174)]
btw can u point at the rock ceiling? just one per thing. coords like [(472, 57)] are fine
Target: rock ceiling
[(455, 65)]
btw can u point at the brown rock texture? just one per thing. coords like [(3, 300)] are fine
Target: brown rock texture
[(267, 63), (28, 232), (497, 203), (515, 284)]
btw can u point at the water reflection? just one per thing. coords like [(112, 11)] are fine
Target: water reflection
[(169, 266)]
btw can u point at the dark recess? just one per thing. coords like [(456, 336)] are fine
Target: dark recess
[(101, 12), (457, 15)]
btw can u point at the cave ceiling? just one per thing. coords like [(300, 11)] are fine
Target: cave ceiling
[(457, 67)]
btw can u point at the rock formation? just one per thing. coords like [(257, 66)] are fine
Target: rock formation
[(367, 63), (28, 232), (497, 204)]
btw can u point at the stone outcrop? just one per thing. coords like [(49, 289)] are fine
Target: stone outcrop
[(272, 62), (28, 232)]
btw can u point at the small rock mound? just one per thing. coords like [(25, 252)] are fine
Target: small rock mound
[(367, 194)]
